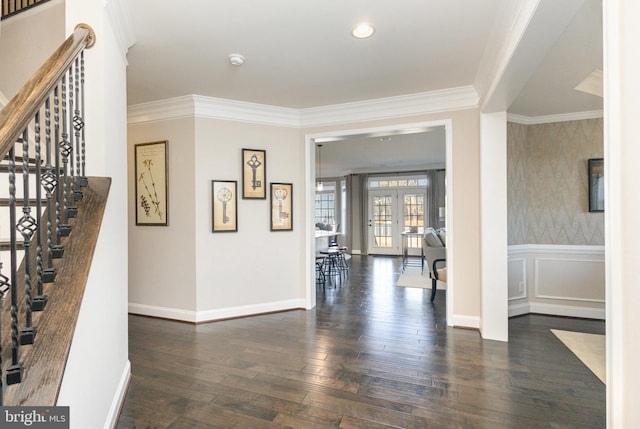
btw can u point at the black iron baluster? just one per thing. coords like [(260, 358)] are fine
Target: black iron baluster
[(40, 300), (4, 288), (64, 229), (15, 370), (58, 248), (26, 226), (83, 175), (72, 211), (78, 126), (49, 181)]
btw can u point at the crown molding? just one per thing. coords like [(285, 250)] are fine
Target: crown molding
[(391, 107), (368, 110), (242, 111), (163, 110), (563, 117), (120, 17)]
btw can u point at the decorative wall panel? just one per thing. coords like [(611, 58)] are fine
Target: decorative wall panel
[(547, 183)]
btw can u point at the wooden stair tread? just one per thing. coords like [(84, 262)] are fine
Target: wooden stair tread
[(44, 361)]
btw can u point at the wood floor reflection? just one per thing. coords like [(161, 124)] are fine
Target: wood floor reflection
[(370, 355)]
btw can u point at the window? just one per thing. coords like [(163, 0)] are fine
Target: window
[(326, 205)]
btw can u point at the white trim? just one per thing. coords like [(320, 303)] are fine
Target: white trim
[(537, 294), (391, 107), (242, 111), (557, 249), (462, 321), (567, 310), (162, 312), (119, 397), (118, 13), (523, 262), (368, 110), (218, 314), (248, 310), (3, 99), (519, 309), (563, 117), (170, 108)]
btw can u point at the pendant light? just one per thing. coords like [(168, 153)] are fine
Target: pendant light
[(319, 186)]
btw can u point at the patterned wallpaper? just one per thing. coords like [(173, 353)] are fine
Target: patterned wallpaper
[(547, 183)]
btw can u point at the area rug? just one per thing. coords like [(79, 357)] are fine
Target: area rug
[(589, 348), (414, 279)]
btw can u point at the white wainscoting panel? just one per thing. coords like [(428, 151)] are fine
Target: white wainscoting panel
[(557, 279)]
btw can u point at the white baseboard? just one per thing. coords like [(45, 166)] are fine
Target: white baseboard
[(568, 311), (162, 312), (356, 252), (118, 399), (519, 309), (218, 314), (465, 322)]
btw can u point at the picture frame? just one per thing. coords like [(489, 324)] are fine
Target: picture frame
[(596, 184), (151, 183), (254, 174), (224, 205), (281, 206)]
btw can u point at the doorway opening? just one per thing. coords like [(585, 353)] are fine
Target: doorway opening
[(345, 138)]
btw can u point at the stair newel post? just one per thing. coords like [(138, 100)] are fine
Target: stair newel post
[(64, 229), (40, 300), (15, 370), (71, 210), (78, 126), (83, 175), (27, 226), (49, 183)]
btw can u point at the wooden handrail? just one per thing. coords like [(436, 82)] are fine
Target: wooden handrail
[(15, 116)]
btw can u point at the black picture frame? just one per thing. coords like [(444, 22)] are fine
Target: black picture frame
[(596, 184), (224, 205), (281, 207), (254, 174)]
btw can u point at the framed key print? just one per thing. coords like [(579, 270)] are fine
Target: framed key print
[(281, 207), (224, 205), (254, 174)]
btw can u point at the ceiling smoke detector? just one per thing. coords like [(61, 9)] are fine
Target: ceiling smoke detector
[(236, 59)]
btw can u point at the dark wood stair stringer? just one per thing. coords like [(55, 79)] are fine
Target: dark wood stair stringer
[(44, 361)]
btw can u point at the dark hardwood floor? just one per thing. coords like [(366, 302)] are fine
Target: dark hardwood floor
[(370, 355)]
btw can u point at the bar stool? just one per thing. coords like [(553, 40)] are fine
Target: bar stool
[(331, 262), (320, 276), (342, 259)]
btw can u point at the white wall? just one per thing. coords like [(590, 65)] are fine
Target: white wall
[(622, 210), (97, 370), (26, 41), (162, 258), (253, 270)]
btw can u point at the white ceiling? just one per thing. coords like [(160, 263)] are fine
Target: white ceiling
[(300, 54)]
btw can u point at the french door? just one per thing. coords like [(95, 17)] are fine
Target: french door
[(392, 211)]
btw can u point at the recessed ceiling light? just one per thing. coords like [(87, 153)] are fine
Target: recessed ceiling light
[(363, 30), (236, 59)]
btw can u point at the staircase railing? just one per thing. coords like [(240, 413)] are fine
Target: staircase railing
[(13, 7), (41, 129)]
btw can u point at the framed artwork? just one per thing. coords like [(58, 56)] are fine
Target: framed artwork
[(224, 197), (151, 184), (254, 174), (281, 207), (596, 185)]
